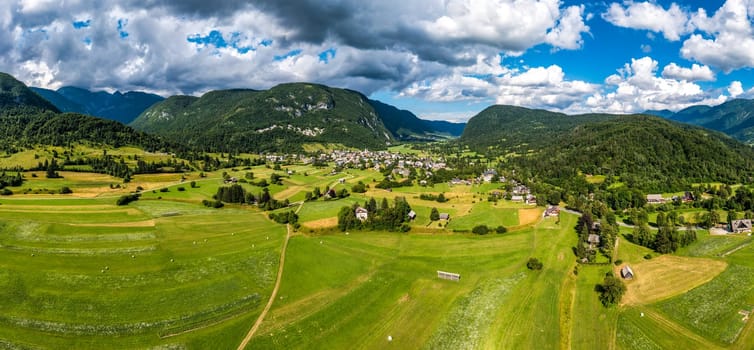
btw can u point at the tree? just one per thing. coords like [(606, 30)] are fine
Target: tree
[(434, 215), (611, 290), (554, 197), (480, 230), (534, 264), (441, 198), (642, 235)]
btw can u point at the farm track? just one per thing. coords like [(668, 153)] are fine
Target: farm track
[(267, 307), (680, 330)]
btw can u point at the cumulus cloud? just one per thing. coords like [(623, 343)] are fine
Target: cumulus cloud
[(171, 46), (735, 89), (671, 22), (695, 73), (729, 40), (535, 87), (637, 88)]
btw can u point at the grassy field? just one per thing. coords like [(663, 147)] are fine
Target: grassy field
[(167, 272), (93, 275)]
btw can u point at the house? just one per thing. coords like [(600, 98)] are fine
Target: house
[(740, 226), (626, 272), (655, 199), (530, 200), (517, 198), (411, 215), (593, 240), (361, 213), (231, 180), (488, 175), (331, 194), (688, 196), (422, 182), (552, 211), (444, 216)]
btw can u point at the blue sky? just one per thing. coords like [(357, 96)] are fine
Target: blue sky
[(441, 59)]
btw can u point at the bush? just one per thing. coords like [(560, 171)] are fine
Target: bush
[(181, 189), (6, 192), (648, 256), (125, 199), (534, 264), (618, 262), (480, 229), (66, 190), (213, 204), (501, 229), (164, 189), (193, 184)]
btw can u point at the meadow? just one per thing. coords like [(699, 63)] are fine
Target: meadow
[(167, 272)]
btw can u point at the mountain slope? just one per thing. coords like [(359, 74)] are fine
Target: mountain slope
[(518, 129), (116, 106), (735, 118), (282, 118), (14, 94), (407, 126), (27, 120)]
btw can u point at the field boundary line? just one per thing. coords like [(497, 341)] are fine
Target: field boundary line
[(736, 249), (267, 307)]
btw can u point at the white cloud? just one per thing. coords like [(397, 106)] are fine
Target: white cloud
[(695, 73), (729, 43), (735, 89), (671, 22), (637, 88), (510, 26)]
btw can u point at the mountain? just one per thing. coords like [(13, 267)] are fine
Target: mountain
[(405, 125), (283, 118), (644, 152), (14, 94), (735, 118), (518, 129), (116, 106), (27, 120)]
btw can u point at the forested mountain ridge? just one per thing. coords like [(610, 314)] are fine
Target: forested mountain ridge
[(642, 152), (14, 94), (518, 129), (27, 120), (404, 124), (282, 118), (122, 107), (735, 118)]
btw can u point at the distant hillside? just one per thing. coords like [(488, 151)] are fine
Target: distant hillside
[(26, 120), (282, 118), (735, 118), (14, 94), (518, 129), (646, 153), (405, 125), (116, 106)]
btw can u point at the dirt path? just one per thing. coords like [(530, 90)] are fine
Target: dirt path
[(267, 307)]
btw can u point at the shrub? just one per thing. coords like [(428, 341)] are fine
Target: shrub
[(181, 189), (164, 189), (6, 192), (125, 199), (648, 256), (66, 190), (501, 229), (534, 264), (481, 229), (213, 204), (618, 262)]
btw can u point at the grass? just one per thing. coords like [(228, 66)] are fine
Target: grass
[(485, 213), (103, 286), (712, 309), (665, 276)]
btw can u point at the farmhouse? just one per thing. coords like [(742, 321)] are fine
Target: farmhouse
[(444, 216), (231, 180), (517, 198), (740, 226), (361, 213), (626, 272), (655, 199), (593, 240), (552, 210)]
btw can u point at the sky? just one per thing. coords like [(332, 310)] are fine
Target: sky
[(441, 59)]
